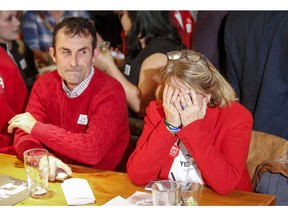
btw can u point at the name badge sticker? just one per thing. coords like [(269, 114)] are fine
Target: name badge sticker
[(127, 69), (82, 120), (23, 64)]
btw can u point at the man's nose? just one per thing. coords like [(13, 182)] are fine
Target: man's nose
[(73, 61)]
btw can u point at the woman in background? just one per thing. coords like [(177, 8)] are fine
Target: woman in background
[(149, 35), (19, 51)]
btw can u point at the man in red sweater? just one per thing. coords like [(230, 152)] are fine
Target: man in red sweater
[(13, 99), (77, 112)]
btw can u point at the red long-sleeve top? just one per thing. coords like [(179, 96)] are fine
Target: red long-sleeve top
[(219, 144), (13, 99), (100, 143)]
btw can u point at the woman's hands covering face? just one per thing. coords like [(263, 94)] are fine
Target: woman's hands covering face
[(169, 99), (183, 106)]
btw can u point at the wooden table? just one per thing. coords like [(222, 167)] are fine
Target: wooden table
[(108, 184)]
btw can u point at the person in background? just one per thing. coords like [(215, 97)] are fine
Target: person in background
[(38, 30), (195, 131), (108, 26), (77, 112), (185, 24), (149, 35), (208, 37), (13, 99), (19, 51), (256, 48)]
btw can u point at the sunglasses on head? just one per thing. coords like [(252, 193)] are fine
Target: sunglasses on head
[(190, 56)]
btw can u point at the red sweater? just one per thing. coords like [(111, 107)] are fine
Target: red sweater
[(100, 144), (13, 99), (219, 144)]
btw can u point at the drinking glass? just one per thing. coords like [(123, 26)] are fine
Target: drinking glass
[(104, 46), (166, 193), (37, 171), (190, 192)]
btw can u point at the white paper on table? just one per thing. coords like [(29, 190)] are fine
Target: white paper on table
[(118, 201), (141, 199), (77, 191)]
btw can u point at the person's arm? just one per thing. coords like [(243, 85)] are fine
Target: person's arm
[(11, 87), (153, 147), (6, 111), (138, 97), (220, 157)]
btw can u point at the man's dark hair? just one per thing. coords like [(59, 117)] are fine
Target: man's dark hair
[(76, 26)]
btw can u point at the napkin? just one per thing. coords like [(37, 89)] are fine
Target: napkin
[(136, 199), (118, 201), (77, 191)]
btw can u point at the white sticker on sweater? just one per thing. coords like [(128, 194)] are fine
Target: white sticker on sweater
[(83, 119)]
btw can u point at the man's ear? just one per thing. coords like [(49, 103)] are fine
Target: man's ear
[(96, 52), (52, 54)]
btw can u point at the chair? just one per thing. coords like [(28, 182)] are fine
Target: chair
[(265, 147), (136, 127)]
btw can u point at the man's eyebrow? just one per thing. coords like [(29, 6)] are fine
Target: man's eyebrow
[(63, 48), (83, 48)]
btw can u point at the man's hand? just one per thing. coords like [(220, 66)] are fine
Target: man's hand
[(56, 164), (24, 121)]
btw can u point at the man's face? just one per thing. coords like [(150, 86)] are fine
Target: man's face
[(73, 57)]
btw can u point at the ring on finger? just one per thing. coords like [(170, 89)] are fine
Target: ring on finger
[(184, 106)]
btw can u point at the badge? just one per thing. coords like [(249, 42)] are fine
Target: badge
[(83, 119), (127, 69), (23, 64), (174, 151)]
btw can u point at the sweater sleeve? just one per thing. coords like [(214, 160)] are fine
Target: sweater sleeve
[(221, 160), (6, 111), (153, 147)]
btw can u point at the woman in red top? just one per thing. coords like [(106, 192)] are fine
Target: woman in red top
[(13, 99), (195, 131)]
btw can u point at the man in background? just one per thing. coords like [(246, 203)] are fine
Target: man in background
[(257, 67)]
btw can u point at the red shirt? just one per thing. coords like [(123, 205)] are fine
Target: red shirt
[(91, 129), (219, 144), (13, 98), (185, 30)]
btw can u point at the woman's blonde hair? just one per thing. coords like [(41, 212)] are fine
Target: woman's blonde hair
[(196, 72)]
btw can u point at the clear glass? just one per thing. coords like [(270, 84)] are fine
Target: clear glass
[(37, 171), (166, 193), (190, 192), (104, 46)]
